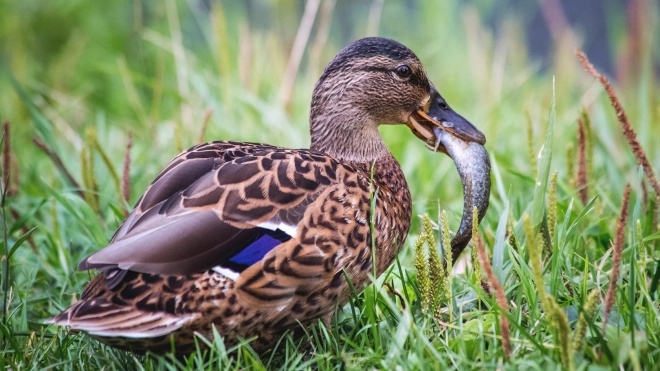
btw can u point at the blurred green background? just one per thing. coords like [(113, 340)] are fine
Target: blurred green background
[(157, 69), (81, 75)]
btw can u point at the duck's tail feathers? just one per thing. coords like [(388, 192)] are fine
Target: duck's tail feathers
[(100, 317)]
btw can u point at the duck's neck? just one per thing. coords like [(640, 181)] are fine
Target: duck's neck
[(343, 138), (343, 131)]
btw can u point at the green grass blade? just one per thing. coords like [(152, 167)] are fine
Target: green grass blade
[(19, 242), (544, 161)]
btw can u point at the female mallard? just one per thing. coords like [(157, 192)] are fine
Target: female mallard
[(254, 239)]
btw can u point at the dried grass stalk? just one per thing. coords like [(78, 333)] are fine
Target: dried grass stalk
[(93, 139), (14, 183), (126, 171), (322, 32), (299, 45), (645, 192), (610, 296), (582, 186), (57, 161), (6, 157), (628, 131), (205, 122), (495, 285), (397, 294), (10, 175)]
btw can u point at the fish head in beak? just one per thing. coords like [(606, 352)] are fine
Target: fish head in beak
[(444, 130)]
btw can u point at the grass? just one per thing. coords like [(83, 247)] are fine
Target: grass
[(81, 77)]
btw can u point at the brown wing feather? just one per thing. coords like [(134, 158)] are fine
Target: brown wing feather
[(199, 211), (99, 314)]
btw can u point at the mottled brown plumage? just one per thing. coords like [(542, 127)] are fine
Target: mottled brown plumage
[(253, 239)]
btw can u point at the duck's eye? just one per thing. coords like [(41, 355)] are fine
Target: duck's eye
[(403, 71)]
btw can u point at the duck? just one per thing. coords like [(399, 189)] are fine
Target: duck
[(253, 240)]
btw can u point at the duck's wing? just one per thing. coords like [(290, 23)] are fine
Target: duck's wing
[(221, 206)]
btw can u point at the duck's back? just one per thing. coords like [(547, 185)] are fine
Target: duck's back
[(248, 238)]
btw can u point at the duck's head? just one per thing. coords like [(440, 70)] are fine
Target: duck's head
[(377, 81), (372, 82)]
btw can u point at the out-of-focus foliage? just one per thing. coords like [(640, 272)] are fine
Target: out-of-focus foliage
[(74, 70)]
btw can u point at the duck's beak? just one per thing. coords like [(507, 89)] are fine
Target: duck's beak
[(436, 113)]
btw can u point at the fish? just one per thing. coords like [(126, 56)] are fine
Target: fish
[(473, 165)]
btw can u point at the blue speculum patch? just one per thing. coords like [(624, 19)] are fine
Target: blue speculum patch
[(266, 240)]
